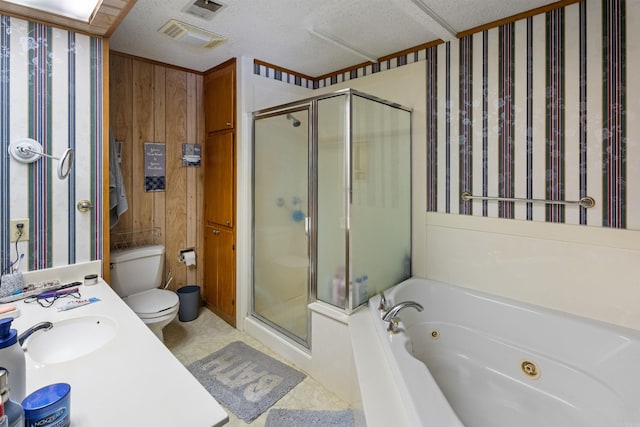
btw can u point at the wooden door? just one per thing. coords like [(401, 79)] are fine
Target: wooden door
[(219, 190), (219, 181), (226, 275), (220, 273), (219, 95)]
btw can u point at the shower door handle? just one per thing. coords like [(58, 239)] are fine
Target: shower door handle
[(307, 225)]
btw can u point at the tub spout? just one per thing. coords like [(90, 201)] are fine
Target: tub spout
[(391, 316), (393, 311), (26, 334)]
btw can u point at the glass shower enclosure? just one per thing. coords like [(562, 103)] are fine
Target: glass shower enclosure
[(331, 205)]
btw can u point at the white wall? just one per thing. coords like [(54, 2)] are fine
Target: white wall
[(588, 271)]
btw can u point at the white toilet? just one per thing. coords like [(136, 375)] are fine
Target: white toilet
[(136, 274)]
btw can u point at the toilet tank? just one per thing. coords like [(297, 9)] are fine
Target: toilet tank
[(136, 269)]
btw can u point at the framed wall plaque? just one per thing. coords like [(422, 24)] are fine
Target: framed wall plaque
[(154, 167)]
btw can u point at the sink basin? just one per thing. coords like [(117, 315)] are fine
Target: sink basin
[(70, 339)]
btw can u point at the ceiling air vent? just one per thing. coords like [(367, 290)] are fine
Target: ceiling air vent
[(205, 9), (188, 34)]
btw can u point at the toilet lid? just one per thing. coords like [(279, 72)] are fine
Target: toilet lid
[(152, 301)]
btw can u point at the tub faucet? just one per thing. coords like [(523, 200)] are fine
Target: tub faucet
[(26, 334), (391, 316)]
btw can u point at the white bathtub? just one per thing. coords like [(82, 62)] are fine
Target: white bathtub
[(460, 362)]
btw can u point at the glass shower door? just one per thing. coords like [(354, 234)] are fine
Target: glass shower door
[(280, 220)]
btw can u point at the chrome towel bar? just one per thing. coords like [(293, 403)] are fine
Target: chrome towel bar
[(584, 202)]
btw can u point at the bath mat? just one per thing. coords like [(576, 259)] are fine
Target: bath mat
[(307, 418), (245, 380)]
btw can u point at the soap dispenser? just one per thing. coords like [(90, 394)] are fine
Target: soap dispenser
[(12, 359)]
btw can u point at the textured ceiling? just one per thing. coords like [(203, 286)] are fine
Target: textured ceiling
[(278, 31)]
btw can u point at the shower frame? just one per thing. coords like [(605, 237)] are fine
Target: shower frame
[(311, 105)]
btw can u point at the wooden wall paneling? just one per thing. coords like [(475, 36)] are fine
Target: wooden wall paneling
[(142, 132), (176, 212), (159, 112), (121, 116), (155, 103), (191, 175)]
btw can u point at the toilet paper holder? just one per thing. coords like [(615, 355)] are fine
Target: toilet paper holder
[(181, 256)]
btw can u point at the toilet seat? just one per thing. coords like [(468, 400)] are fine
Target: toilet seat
[(153, 303)]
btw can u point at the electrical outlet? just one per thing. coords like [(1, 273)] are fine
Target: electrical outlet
[(15, 231)]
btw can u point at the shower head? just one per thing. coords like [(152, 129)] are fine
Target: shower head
[(295, 121)]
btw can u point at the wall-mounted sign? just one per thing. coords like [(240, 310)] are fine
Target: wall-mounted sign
[(154, 167), (190, 155)]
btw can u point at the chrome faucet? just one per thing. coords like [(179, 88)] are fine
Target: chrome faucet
[(391, 316), (26, 334)]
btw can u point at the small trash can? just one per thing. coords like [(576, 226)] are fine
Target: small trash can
[(189, 297)]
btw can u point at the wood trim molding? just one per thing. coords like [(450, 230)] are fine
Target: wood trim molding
[(353, 67), (517, 17), (122, 13), (410, 50), (341, 71), (221, 65), (105, 21), (284, 70)]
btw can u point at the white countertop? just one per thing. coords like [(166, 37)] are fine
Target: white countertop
[(133, 380)]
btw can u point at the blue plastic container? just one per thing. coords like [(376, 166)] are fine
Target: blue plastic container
[(48, 406)]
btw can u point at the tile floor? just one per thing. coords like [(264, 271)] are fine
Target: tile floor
[(191, 341)]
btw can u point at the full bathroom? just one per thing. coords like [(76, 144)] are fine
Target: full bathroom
[(486, 118)]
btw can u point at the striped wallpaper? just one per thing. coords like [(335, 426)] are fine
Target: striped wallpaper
[(51, 91), (532, 109), (614, 106), (538, 109)]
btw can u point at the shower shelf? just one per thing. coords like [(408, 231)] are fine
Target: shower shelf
[(135, 238)]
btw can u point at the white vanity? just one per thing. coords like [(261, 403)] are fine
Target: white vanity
[(126, 378)]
